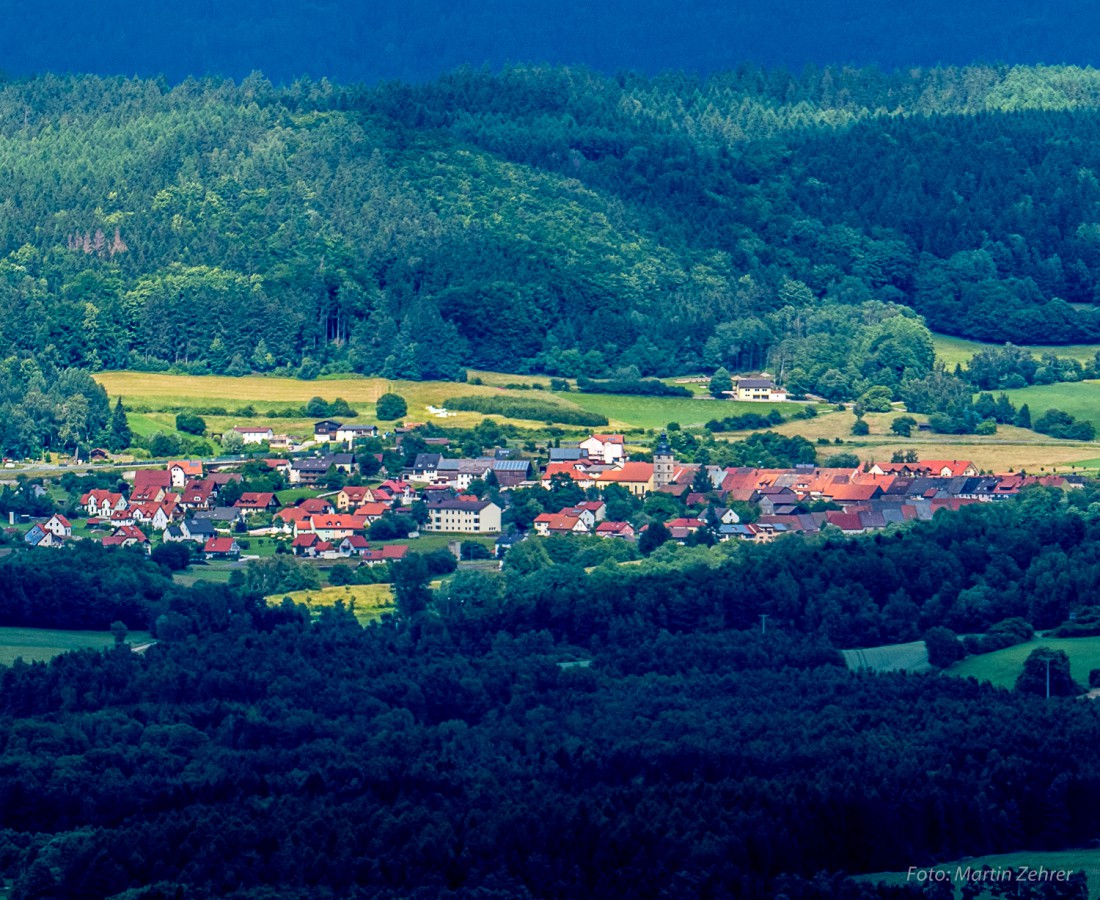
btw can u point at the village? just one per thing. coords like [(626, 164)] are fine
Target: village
[(330, 511)]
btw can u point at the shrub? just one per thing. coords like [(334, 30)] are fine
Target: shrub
[(190, 423), (391, 406)]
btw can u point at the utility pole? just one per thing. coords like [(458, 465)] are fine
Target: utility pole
[(764, 630)]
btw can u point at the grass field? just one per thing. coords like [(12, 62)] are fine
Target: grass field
[(952, 350), (371, 600), (911, 657), (43, 644), (1087, 861), (1003, 667), (656, 412), (1080, 399), (167, 392)]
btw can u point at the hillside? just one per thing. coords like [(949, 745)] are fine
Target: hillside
[(549, 219)]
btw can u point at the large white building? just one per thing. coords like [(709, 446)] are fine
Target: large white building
[(463, 516)]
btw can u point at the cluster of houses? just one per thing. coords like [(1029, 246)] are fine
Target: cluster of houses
[(182, 500)]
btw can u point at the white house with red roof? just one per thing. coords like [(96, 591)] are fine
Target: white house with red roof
[(622, 530), (182, 470), (221, 548), (254, 434), (607, 448), (58, 526), (102, 504), (252, 502), (560, 523)]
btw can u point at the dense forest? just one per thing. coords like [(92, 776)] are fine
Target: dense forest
[(550, 732), (550, 219), (351, 41)]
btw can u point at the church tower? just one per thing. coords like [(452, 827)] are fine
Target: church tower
[(663, 463)]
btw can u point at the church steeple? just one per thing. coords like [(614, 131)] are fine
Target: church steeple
[(663, 462)]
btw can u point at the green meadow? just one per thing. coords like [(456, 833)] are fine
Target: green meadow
[(43, 644), (1003, 667), (952, 350)]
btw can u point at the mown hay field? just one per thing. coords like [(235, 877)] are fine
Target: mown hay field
[(371, 601), (910, 657)]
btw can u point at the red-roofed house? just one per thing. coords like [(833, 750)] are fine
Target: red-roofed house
[(374, 556), (372, 512), (636, 477), (559, 523), (335, 528), (152, 515), (151, 479), (254, 434), (254, 502), (127, 536), (102, 504), (681, 529), (615, 530), (352, 496), (199, 494), (607, 448), (315, 506), (181, 470), (305, 544), (221, 548), (57, 525)]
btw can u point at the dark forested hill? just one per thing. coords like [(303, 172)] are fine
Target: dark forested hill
[(348, 40), (552, 219)]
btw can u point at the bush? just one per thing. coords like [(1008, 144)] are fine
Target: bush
[(1063, 426), (861, 427), (943, 646), (190, 423), (391, 406)]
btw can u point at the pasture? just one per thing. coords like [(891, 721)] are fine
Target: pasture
[(370, 601), (628, 411), (1080, 399), (1087, 861), (911, 657), (43, 644), (1003, 667), (952, 350)]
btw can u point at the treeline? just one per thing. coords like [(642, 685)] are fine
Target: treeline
[(651, 224)]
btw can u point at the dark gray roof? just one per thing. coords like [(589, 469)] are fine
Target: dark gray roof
[(458, 505)]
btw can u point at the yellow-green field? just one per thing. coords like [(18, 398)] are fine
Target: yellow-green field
[(952, 350), (371, 601), (160, 391), (43, 644), (1087, 861), (1003, 667)]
